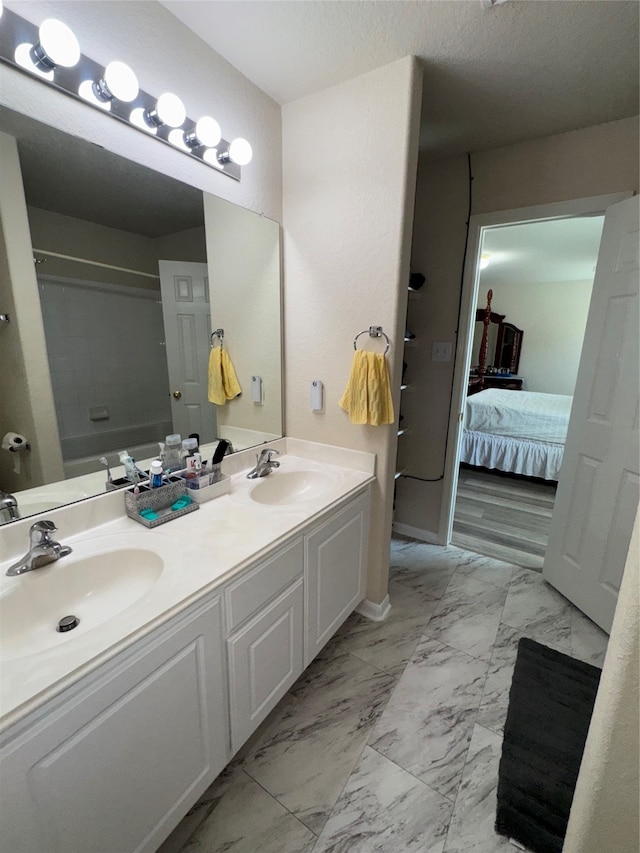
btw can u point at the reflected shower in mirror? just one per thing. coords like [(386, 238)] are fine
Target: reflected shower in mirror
[(129, 299)]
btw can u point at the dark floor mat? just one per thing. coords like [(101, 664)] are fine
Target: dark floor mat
[(550, 707)]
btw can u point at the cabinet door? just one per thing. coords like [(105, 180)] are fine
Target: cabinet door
[(265, 658), (336, 565), (117, 766)]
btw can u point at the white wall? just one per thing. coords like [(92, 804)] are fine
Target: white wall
[(78, 238), (26, 401), (244, 280), (553, 317), (605, 814), (592, 161), (349, 157), (166, 56)]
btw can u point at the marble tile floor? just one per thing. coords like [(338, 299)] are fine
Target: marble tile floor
[(391, 739)]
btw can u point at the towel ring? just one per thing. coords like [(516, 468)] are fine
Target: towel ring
[(373, 332), (219, 333)]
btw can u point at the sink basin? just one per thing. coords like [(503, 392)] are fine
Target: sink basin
[(101, 577), (290, 487)]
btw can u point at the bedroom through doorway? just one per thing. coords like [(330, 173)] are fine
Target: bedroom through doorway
[(531, 303)]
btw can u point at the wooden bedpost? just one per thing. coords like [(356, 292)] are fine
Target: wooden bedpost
[(482, 358)]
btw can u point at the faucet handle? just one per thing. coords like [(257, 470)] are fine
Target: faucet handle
[(41, 531)]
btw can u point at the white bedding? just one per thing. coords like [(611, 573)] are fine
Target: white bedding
[(524, 415), (518, 431)]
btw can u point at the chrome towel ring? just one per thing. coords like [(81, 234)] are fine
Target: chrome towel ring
[(373, 332), (219, 333)]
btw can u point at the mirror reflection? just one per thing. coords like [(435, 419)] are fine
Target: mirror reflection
[(131, 284)]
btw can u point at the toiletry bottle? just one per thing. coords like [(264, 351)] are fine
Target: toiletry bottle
[(172, 452), (130, 471), (189, 448), (155, 474)]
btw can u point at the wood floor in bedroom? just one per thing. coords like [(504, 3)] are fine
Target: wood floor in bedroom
[(503, 516)]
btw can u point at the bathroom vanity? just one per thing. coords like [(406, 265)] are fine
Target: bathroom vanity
[(110, 737)]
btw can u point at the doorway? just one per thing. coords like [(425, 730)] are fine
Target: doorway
[(536, 278), (482, 228)]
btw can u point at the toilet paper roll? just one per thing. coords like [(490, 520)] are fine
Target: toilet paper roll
[(15, 443)]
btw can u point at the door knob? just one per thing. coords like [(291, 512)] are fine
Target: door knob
[(177, 394)]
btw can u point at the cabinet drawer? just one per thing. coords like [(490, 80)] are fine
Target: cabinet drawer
[(254, 589)]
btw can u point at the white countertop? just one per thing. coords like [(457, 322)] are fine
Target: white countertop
[(201, 550)]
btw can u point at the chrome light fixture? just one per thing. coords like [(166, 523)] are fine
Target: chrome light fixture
[(57, 45), (206, 133), (239, 152), (168, 110), (118, 81), (51, 52)]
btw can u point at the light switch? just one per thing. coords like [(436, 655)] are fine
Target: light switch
[(441, 351)]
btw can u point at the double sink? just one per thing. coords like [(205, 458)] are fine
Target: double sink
[(105, 575)]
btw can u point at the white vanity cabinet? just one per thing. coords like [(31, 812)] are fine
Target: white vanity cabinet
[(335, 572), (113, 763), (265, 649), (116, 765)]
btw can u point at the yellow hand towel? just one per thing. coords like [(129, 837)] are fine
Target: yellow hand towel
[(367, 397), (223, 383)]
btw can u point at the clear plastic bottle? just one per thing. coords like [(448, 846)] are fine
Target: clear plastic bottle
[(173, 452), (155, 474)]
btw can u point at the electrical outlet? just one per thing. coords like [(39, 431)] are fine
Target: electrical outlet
[(441, 351)]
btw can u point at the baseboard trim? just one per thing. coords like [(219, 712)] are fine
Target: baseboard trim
[(373, 611), (417, 533)]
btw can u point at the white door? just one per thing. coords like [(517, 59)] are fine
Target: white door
[(598, 488), (187, 327)]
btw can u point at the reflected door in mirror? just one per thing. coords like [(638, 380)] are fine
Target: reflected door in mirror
[(187, 322)]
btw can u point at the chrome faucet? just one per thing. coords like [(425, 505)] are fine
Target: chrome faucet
[(264, 463), (8, 508), (42, 549)]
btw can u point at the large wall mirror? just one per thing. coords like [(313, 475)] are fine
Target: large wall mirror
[(135, 271)]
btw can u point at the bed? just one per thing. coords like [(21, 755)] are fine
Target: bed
[(522, 432)]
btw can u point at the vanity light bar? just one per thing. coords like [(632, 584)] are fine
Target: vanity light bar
[(88, 81)]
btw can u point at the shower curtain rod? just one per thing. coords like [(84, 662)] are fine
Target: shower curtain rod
[(94, 263)]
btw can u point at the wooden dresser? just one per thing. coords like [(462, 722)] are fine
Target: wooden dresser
[(511, 383)]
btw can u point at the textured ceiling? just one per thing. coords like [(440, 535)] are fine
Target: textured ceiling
[(493, 76), (534, 252)]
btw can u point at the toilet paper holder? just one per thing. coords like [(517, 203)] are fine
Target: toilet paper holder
[(15, 443)]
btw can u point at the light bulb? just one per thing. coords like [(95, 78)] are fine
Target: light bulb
[(206, 133), (138, 118), (57, 46), (118, 82), (23, 56), (176, 137), (240, 152), (168, 110), (87, 93), (211, 157)]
